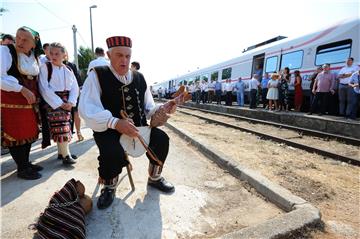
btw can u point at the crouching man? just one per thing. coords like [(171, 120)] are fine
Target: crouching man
[(107, 91)]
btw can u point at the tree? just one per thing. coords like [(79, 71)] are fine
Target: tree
[(85, 55)]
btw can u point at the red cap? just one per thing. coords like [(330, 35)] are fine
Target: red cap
[(118, 41)]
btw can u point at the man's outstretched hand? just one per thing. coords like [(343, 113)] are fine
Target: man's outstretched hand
[(125, 126)]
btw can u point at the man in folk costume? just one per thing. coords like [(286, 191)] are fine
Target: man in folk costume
[(107, 91), (59, 89), (19, 99)]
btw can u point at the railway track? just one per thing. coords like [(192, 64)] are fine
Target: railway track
[(300, 130), (267, 136)]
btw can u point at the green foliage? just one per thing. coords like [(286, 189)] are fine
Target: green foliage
[(85, 55), (205, 78), (214, 76)]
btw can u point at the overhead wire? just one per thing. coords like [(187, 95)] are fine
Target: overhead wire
[(46, 8), (53, 28), (63, 20)]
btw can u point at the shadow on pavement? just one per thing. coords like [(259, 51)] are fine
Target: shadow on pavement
[(144, 220), (77, 148), (13, 187)]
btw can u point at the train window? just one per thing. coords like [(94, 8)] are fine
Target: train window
[(335, 52), (293, 60), (226, 73), (205, 77), (214, 76), (271, 64), (190, 80)]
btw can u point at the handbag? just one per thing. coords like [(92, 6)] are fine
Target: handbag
[(64, 217)]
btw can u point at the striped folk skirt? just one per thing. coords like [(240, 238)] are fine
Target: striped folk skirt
[(59, 121)]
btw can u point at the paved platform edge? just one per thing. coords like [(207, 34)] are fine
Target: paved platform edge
[(300, 215)]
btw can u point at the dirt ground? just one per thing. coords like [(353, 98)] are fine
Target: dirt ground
[(331, 186)]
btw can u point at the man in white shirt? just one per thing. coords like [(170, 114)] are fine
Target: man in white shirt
[(107, 91), (204, 91), (355, 85), (346, 91), (100, 59), (135, 66), (228, 88), (45, 57), (253, 88), (211, 91)]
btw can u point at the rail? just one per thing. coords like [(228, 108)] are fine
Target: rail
[(303, 131), (262, 135)]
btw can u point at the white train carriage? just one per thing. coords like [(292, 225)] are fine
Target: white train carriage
[(332, 45)]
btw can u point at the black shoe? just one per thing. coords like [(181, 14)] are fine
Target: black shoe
[(67, 160), (162, 185), (310, 113), (36, 167), (4, 150), (28, 174), (106, 198), (60, 157)]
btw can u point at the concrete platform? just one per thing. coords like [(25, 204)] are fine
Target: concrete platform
[(208, 201), (325, 123)]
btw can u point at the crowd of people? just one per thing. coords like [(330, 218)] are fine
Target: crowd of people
[(330, 93), (44, 92)]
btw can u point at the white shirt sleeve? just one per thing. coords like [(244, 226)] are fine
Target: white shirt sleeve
[(354, 78), (90, 66), (46, 92), (91, 108), (149, 104), (342, 70), (74, 91), (8, 83)]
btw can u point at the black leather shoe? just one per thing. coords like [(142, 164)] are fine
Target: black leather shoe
[(106, 198), (36, 167), (60, 157), (162, 185), (28, 174), (67, 160)]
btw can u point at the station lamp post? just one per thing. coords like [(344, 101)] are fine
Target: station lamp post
[(91, 30)]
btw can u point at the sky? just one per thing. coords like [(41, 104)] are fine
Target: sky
[(173, 37)]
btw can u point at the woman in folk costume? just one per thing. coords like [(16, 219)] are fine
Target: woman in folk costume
[(19, 99), (107, 91), (59, 89)]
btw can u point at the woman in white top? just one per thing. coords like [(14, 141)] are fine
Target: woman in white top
[(273, 91), (59, 89)]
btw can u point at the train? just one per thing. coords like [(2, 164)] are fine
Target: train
[(331, 45)]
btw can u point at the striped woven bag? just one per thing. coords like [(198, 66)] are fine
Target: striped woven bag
[(64, 217)]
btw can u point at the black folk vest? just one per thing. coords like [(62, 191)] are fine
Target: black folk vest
[(30, 82), (116, 96)]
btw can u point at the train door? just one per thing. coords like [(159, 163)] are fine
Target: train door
[(258, 65)]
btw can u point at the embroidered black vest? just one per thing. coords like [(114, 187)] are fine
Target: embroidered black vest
[(116, 95)]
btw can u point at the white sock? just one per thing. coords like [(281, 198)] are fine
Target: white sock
[(154, 172), (63, 149), (58, 149)]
